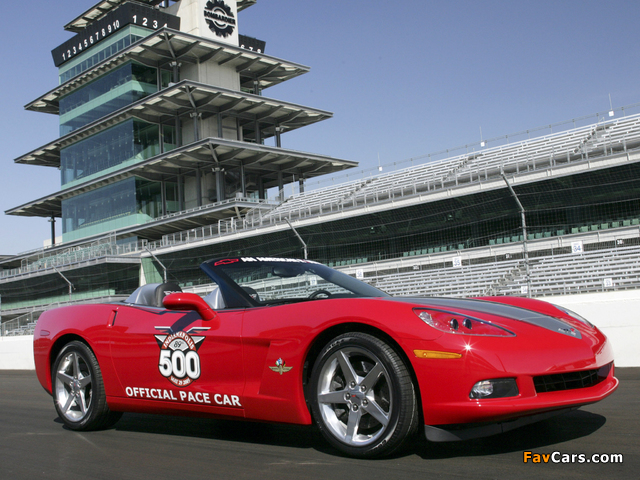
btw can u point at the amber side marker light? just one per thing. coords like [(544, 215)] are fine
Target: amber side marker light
[(434, 354)]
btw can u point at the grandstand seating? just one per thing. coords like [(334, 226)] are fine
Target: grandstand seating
[(598, 269), (560, 274), (530, 155), (105, 293)]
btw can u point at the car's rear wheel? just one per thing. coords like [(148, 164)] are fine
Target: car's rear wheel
[(78, 390), (362, 396)]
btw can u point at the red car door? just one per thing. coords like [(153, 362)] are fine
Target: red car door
[(175, 360)]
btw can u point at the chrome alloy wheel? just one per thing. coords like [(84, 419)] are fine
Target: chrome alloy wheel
[(73, 387), (354, 396)]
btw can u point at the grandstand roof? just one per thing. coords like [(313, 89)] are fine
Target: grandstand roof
[(271, 162), (184, 98), (165, 46)]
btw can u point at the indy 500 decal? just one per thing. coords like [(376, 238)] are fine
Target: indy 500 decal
[(179, 360), (179, 363)]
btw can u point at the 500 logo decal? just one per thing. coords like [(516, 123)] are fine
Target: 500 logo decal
[(219, 17), (179, 360)]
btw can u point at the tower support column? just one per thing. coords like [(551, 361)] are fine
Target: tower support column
[(52, 220)]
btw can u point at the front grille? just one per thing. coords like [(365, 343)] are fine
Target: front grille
[(571, 380)]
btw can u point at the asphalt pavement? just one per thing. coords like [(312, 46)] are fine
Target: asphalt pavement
[(35, 444)]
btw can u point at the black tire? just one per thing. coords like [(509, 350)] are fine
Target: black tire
[(362, 397), (78, 390)]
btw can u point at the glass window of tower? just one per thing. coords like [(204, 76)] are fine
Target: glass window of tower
[(118, 88), (149, 198), (130, 201), (126, 143), (102, 51), (99, 205)]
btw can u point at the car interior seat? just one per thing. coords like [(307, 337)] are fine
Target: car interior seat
[(152, 294)]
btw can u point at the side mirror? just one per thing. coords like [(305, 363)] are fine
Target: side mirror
[(189, 301)]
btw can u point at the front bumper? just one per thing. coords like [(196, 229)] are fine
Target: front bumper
[(516, 412), (454, 433), (535, 361)]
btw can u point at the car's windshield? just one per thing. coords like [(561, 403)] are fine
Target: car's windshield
[(271, 280)]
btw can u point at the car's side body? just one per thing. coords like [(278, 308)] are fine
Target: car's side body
[(256, 362), (238, 350)]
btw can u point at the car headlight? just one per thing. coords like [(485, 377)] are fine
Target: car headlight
[(451, 322)]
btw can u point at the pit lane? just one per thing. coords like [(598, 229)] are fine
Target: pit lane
[(34, 444)]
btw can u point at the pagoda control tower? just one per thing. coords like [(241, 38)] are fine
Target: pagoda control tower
[(163, 122)]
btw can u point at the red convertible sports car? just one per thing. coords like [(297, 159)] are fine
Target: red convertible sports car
[(293, 341)]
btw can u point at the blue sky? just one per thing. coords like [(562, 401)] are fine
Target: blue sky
[(403, 78)]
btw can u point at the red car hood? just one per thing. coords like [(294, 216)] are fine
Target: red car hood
[(500, 309)]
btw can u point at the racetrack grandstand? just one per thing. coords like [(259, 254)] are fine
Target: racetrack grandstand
[(579, 189), (450, 227)]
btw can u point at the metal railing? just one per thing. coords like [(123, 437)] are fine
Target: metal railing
[(258, 201), (23, 325), (44, 259)]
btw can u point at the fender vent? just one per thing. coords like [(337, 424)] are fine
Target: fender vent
[(571, 380)]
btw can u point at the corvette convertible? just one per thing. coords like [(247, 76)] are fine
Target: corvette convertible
[(294, 341)]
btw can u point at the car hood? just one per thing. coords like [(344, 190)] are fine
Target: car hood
[(499, 309)]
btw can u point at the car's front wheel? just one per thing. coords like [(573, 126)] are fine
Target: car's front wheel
[(78, 390), (362, 396)]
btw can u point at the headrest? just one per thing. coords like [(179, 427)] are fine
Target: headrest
[(165, 289), (252, 293)]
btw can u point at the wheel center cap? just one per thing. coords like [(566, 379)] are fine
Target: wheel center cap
[(356, 396)]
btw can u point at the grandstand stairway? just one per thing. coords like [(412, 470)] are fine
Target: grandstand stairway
[(516, 274)]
